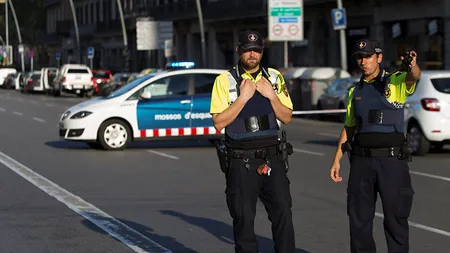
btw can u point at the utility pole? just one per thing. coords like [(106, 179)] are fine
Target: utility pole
[(75, 23), (202, 32), (6, 24), (342, 42), (18, 34), (125, 52)]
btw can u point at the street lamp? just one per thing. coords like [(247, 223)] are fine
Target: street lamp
[(18, 34), (125, 52), (202, 32), (75, 23)]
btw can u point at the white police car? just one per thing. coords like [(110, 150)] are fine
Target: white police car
[(162, 105)]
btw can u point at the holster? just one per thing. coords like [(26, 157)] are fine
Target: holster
[(405, 151), (347, 147), (285, 148), (222, 153)]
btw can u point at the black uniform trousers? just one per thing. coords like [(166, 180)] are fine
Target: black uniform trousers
[(389, 177), (244, 186)]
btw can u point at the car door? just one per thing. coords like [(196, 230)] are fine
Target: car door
[(165, 112), (48, 76), (200, 116)]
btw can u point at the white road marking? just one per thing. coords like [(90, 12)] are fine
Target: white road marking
[(132, 238), (18, 113), (329, 135), (420, 226), (39, 119), (308, 152), (163, 154), (49, 105), (429, 175), (2, 109)]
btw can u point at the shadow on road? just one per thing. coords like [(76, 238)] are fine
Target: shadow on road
[(221, 230), (63, 144), (151, 243)]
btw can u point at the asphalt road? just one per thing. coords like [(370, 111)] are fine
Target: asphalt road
[(59, 196)]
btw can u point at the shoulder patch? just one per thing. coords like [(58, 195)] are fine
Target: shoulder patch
[(387, 92)]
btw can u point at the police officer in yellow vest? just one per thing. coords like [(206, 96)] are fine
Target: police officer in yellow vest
[(378, 149), (247, 102)]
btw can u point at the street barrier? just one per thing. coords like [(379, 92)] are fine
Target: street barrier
[(319, 111)]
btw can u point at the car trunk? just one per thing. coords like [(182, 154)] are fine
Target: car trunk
[(442, 86)]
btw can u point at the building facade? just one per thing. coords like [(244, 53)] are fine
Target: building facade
[(422, 25)]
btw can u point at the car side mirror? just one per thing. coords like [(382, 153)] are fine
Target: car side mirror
[(146, 95)]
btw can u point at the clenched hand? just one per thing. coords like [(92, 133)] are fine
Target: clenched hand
[(264, 87), (247, 89)]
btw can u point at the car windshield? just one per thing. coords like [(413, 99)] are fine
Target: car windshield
[(441, 84), (100, 74), (130, 86), (121, 77)]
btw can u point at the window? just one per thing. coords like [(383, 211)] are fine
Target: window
[(441, 84), (344, 84), (204, 83), (77, 71), (177, 85)]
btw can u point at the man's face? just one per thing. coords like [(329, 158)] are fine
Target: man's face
[(250, 58), (369, 63)]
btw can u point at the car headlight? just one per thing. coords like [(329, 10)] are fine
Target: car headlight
[(80, 115), (65, 115)]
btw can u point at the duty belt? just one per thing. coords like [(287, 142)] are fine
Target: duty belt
[(254, 153), (376, 152)]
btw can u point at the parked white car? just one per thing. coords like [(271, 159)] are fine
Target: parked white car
[(427, 112), (74, 79), (4, 72)]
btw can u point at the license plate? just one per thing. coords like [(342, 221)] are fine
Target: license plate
[(77, 77), (77, 91), (78, 86)]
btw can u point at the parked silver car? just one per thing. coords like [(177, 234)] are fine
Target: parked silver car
[(335, 96)]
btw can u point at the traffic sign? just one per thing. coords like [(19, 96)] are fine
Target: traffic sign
[(58, 55), (90, 52), (146, 34), (31, 53), (339, 19), (285, 20)]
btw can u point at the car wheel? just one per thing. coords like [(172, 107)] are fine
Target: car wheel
[(419, 144), (114, 135)]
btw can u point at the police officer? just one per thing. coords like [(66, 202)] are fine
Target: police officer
[(247, 101), (374, 137)]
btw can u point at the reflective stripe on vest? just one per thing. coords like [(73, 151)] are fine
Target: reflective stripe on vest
[(233, 92), (373, 112)]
